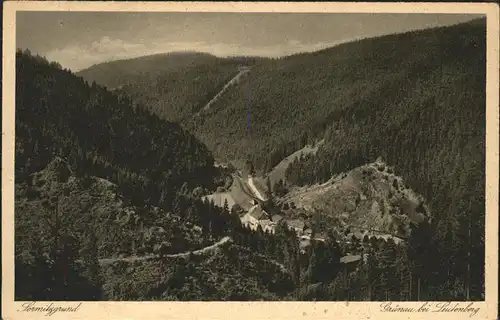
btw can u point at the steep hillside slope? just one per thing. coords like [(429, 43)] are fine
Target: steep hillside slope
[(369, 199), (108, 249), (427, 120), (218, 275), (97, 178), (101, 134), (95, 205), (288, 102), (277, 173), (416, 99)]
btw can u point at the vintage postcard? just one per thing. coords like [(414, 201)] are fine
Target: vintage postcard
[(250, 160)]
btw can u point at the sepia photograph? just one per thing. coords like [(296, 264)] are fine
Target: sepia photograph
[(250, 156)]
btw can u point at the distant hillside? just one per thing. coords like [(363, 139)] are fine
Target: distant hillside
[(418, 101), (286, 103), (117, 73), (175, 86)]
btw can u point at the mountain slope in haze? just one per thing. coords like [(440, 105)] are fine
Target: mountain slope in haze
[(117, 73)]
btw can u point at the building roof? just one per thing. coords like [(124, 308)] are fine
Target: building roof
[(296, 224), (245, 219), (257, 213), (276, 218), (350, 259), (265, 223)]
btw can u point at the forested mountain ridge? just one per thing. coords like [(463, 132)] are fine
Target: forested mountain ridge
[(288, 103), (102, 134), (416, 99), (174, 86), (431, 129)]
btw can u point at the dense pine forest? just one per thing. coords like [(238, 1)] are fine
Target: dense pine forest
[(112, 166)]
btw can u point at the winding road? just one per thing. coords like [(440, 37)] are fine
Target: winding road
[(176, 255), (254, 189), (204, 250)]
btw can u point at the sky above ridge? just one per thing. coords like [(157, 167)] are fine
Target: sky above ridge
[(78, 40)]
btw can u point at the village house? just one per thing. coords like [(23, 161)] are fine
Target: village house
[(253, 217), (267, 225), (297, 225), (350, 262)]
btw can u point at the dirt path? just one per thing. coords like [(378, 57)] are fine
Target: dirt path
[(195, 252), (176, 255), (231, 82)]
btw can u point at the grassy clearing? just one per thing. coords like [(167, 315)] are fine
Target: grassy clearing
[(278, 172)]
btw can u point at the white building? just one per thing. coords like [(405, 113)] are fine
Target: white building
[(254, 217)]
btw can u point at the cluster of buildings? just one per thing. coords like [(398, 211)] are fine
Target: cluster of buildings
[(257, 216)]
